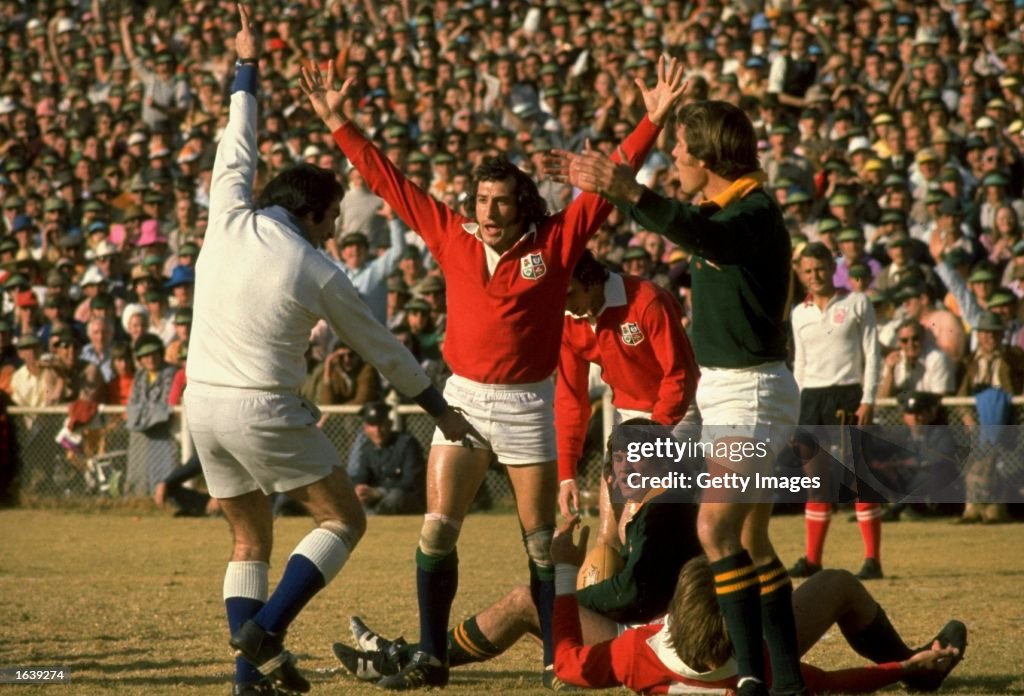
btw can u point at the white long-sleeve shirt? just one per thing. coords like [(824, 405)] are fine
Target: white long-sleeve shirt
[(261, 287), (837, 346), (933, 372)]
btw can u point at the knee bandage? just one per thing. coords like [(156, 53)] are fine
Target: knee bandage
[(538, 546), (327, 547), (439, 534), (342, 531)]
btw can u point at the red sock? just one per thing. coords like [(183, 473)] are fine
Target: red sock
[(816, 518), (869, 517)]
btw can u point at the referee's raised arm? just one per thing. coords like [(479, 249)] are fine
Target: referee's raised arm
[(237, 156)]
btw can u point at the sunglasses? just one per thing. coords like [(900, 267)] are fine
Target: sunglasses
[(910, 339)]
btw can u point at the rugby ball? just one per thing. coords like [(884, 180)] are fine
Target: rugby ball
[(602, 562)]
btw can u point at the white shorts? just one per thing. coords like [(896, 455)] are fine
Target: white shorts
[(686, 429), (517, 420), (248, 439), (761, 403)]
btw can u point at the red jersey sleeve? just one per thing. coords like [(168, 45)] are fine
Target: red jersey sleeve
[(581, 218), (663, 326), (859, 680), (429, 218), (572, 407), (598, 666), (177, 388)]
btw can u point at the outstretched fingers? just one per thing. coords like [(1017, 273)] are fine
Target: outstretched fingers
[(556, 165)]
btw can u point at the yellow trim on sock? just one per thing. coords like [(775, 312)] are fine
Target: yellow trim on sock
[(737, 586), (734, 574), (768, 589), (770, 575), (462, 638)]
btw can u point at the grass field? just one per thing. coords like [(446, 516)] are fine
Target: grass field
[(131, 601)]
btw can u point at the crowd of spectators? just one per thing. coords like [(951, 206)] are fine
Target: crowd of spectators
[(891, 131)]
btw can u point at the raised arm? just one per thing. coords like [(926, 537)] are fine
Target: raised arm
[(51, 46), (423, 214), (388, 261), (584, 215), (128, 46), (237, 156)]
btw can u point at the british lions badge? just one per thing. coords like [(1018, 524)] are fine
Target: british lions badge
[(631, 333), (532, 266)]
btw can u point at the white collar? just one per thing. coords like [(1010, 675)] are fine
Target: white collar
[(490, 255), (661, 644), (473, 228), (614, 296), (614, 292)]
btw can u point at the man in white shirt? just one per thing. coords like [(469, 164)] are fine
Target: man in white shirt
[(27, 385), (915, 367), (262, 283), (836, 365)]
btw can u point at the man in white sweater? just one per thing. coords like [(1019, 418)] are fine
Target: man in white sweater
[(261, 285), (836, 365)]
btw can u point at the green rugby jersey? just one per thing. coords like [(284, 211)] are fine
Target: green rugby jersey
[(740, 270)]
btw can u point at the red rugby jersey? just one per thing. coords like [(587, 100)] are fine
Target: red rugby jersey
[(645, 357), (630, 661), (504, 329)]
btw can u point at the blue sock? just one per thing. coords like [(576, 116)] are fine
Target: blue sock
[(542, 589), (313, 564), (240, 610), (245, 593), (437, 580)]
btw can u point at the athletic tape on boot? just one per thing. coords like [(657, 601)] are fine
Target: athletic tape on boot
[(246, 579), (538, 546), (439, 534)]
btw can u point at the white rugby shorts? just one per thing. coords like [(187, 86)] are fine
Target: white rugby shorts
[(761, 403), (516, 420), (249, 439)]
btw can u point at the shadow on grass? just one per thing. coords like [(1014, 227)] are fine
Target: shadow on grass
[(988, 684), (469, 676), (112, 664), (168, 680)]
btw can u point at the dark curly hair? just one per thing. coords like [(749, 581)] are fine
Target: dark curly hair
[(302, 190), (530, 205), (589, 271)]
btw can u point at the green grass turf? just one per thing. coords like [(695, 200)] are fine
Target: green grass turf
[(130, 601)]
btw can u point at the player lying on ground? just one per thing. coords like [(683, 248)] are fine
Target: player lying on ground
[(692, 649), (659, 537)]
